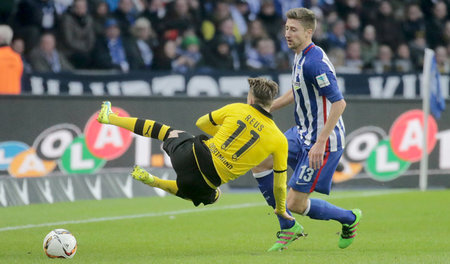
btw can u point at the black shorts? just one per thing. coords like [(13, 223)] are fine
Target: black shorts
[(190, 182)]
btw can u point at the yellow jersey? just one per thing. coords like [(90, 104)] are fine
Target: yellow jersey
[(243, 136)]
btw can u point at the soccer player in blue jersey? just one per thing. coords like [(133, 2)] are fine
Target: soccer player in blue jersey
[(317, 141)]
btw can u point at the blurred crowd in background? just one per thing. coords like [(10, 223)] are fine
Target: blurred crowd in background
[(183, 36)]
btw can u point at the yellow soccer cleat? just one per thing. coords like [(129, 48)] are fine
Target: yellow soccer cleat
[(105, 111), (142, 175)]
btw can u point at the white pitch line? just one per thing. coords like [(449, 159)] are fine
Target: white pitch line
[(187, 211)]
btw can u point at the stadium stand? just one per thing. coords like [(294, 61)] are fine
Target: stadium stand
[(369, 36)]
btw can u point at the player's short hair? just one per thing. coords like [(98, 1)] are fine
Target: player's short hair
[(6, 35), (306, 17), (263, 90)]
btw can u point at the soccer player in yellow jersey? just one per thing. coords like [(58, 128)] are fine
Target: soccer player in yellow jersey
[(243, 135)]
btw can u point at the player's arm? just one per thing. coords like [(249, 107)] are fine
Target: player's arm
[(280, 177), (207, 124), (324, 80), (282, 101), (316, 152), (210, 123)]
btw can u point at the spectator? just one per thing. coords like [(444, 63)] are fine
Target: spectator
[(155, 12), (417, 47), (180, 18), (319, 36), (240, 12), (346, 7), (442, 60), (226, 30), (101, 13), (367, 14), (414, 23), (110, 51), (256, 31), (331, 18), (272, 22), (11, 67), (166, 56), (61, 6), (18, 45), (384, 64), (211, 25), (436, 24), (402, 61), (369, 46), (254, 7), (336, 38), (46, 58), (353, 27), (337, 58), (446, 33), (190, 57), (34, 17), (219, 56), (143, 43), (389, 31), (264, 57), (353, 62), (78, 36), (125, 16)]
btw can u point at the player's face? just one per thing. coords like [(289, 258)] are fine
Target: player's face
[(296, 35)]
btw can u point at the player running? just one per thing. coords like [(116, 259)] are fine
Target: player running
[(317, 141), (243, 136)]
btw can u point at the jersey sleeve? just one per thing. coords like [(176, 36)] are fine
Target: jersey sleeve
[(321, 75), (205, 124), (280, 173), (218, 116), (210, 123)]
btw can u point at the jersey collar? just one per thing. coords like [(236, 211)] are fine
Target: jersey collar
[(264, 112), (308, 48)]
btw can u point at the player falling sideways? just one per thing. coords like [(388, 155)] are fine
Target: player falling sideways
[(243, 135)]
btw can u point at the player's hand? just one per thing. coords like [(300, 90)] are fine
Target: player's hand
[(285, 215), (316, 154)]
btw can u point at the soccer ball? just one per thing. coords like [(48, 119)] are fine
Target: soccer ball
[(60, 243)]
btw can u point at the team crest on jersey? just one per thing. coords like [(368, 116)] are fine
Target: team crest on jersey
[(322, 80)]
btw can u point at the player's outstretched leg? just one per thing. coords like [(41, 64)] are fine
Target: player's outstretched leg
[(348, 233), (142, 175), (287, 236), (143, 127)]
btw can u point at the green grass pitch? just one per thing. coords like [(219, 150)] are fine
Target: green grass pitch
[(397, 227)]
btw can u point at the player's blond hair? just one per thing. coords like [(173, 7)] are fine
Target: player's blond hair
[(306, 17), (263, 90)]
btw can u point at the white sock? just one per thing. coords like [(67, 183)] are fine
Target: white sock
[(262, 173), (305, 213)]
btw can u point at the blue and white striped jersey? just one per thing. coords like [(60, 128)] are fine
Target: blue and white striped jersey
[(315, 89)]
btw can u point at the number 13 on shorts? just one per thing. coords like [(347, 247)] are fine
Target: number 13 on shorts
[(306, 174)]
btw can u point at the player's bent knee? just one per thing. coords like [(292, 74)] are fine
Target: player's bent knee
[(297, 207)]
